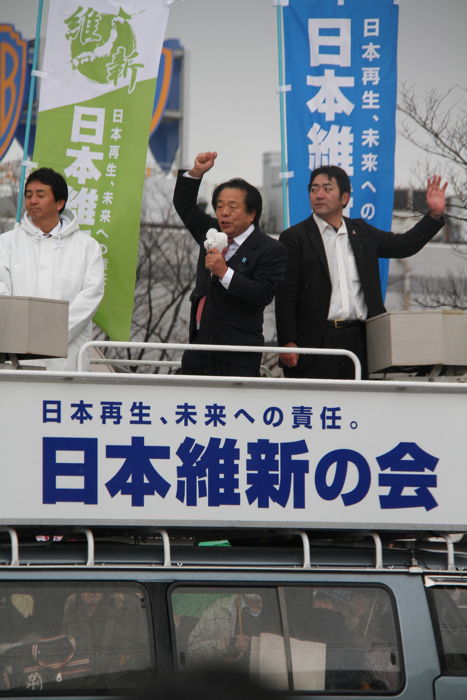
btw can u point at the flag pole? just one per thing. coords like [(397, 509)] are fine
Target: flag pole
[(32, 85), (282, 89)]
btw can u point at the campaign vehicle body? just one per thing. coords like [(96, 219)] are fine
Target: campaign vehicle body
[(309, 533)]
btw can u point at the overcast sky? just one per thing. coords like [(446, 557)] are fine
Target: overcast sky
[(232, 74)]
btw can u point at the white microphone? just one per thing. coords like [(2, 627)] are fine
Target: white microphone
[(215, 239)]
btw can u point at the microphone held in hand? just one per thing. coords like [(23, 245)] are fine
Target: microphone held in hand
[(215, 239)]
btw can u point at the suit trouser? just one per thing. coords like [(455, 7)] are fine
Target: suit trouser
[(352, 337), (220, 364)]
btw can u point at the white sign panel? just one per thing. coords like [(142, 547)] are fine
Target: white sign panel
[(158, 451)]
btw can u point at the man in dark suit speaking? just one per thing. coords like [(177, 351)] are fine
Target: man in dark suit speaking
[(332, 282), (233, 285)]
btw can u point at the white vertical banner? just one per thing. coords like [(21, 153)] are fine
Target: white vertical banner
[(100, 66)]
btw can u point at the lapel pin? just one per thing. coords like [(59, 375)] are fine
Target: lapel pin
[(244, 260)]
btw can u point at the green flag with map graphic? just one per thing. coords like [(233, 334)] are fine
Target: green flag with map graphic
[(98, 81)]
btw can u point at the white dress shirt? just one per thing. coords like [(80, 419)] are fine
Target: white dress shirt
[(347, 300), (231, 250)]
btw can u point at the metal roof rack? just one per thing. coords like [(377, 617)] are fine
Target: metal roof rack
[(312, 542)]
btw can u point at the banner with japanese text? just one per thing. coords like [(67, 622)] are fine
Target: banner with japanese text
[(156, 449), (341, 81), (97, 92)]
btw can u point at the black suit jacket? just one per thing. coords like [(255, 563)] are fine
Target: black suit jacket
[(232, 316), (302, 302)]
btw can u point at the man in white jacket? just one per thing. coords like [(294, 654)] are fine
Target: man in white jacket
[(47, 256)]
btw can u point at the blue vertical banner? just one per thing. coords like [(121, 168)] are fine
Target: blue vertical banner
[(341, 83)]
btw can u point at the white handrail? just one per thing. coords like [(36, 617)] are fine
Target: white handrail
[(14, 544), (378, 550), (218, 348), (450, 550), (87, 532), (306, 548)]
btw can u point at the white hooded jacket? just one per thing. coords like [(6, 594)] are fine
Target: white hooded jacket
[(68, 265)]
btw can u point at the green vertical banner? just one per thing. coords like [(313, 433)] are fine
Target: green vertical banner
[(97, 92)]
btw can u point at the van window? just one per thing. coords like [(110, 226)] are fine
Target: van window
[(294, 638), (82, 638), (450, 605)]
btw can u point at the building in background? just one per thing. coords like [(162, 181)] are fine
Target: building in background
[(166, 140)]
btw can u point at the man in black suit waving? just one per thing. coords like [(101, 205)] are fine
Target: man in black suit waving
[(233, 286), (332, 282)]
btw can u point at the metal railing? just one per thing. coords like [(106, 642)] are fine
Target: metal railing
[(211, 348), (310, 553)]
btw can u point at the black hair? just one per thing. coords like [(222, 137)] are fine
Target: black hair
[(49, 177), (253, 200), (334, 172)]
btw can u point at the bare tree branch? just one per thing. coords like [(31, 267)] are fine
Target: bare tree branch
[(435, 123), (166, 272), (448, 293)]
